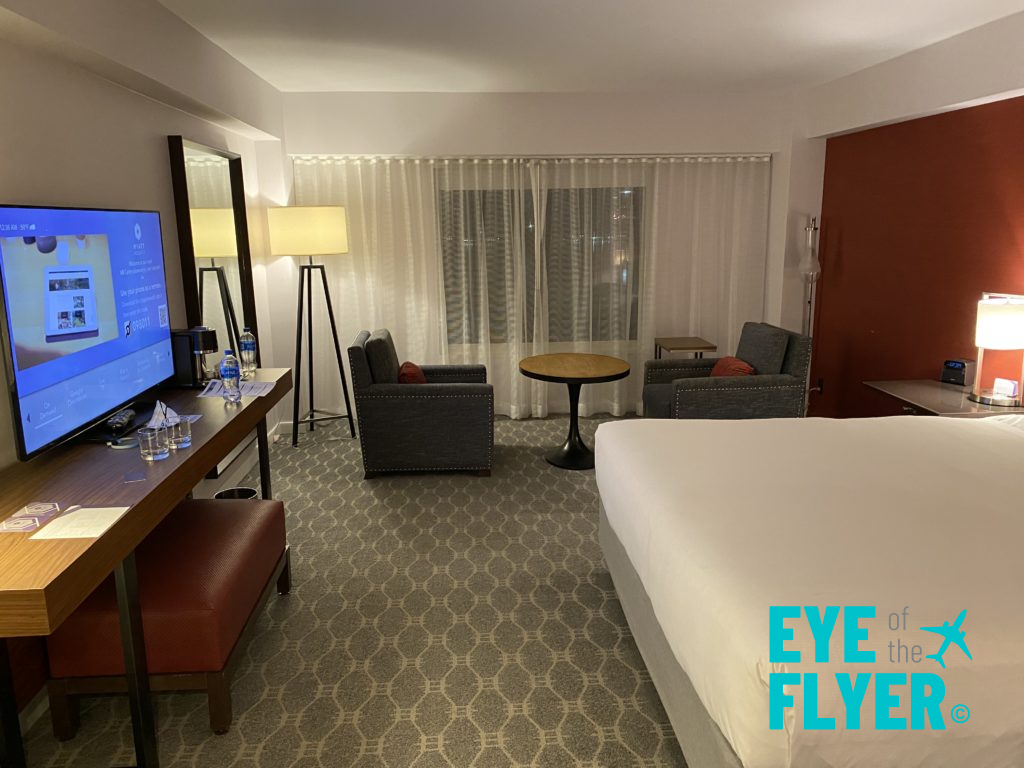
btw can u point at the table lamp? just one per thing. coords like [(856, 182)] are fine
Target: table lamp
[(1000, 326), (213, 237), (310, 231)]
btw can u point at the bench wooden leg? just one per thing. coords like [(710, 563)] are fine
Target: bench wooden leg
[(483, 473), (218, 699), (284, 581), (63, 710)]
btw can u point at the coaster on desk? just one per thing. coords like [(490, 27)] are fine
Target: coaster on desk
[(31, 517)]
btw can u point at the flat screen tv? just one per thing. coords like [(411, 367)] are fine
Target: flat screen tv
[(85, 302)]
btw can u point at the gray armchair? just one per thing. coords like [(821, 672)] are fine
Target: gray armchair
[(445, 424), (684, 389)]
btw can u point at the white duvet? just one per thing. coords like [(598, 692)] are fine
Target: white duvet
[(722, 519)]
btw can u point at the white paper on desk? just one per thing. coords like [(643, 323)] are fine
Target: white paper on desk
[(214, 388), (257, 388), (81, 523)]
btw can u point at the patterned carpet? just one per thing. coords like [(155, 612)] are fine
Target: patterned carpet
[(435, 620)]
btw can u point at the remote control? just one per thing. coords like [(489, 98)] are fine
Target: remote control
[(120, 421)]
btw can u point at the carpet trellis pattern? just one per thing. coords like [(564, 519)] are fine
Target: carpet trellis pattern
[(435, 620)]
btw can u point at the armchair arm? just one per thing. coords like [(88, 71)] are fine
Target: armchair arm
[(465, 374), (426, 426), (739, 397), (664, 371)]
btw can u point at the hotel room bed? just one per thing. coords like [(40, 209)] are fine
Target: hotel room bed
[(705, 524)]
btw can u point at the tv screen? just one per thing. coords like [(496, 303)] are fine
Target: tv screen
[(86, 306)]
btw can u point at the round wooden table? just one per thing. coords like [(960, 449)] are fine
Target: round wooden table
[(573, 369)]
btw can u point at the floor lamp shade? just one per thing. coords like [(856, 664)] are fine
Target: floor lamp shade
[(213, 233), (316, 230)]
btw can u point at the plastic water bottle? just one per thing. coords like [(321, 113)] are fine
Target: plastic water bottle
[(247, 353), (231, 377)]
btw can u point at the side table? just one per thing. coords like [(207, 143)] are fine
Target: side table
[(694, 344)]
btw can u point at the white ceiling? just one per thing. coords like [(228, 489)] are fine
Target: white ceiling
[(573, 45)]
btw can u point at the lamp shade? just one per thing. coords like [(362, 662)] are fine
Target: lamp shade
[(1000, 323), (213, 232), (308, 230)]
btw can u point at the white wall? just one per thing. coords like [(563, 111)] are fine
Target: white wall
[(531, 123), (980, 65), (143, 46), (70, 138)]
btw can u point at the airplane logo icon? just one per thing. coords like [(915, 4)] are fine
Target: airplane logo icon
[(950, 634)]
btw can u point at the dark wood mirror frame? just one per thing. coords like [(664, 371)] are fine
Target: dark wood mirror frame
[(179, 182)]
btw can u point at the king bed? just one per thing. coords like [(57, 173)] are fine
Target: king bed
[(706, 524)]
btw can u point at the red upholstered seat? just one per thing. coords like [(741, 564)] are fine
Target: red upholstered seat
[(201, 572)]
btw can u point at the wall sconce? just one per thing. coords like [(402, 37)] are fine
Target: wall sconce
[(1000, 326)]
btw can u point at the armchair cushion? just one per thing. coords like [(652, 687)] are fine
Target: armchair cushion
[(732, 366), (410, 373), (455, 374), (763, 346), (381, 357)]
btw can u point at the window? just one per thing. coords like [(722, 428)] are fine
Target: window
[(592, 248)]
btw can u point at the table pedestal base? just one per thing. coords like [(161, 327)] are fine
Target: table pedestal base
[(574, 453)]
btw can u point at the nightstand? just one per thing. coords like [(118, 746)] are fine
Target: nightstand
[(924, 397)]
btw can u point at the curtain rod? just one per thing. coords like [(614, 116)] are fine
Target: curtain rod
[(759, 156)]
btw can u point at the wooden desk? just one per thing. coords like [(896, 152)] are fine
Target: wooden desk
[(42, 582), (694, 344), (936, 398)]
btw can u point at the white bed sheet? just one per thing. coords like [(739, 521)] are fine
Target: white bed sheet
[(722, 519)]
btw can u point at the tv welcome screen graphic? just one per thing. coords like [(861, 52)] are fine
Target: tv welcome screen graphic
[(85, 300)]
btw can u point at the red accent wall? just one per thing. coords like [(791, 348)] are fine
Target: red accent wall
[(918, 219)]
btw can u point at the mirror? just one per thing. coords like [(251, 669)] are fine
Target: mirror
[(209, 201)]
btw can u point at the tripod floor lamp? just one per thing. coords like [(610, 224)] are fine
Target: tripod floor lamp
[(311, 231), (213, 237)]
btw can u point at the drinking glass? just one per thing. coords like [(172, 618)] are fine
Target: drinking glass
[(153, 443), (179, 433)]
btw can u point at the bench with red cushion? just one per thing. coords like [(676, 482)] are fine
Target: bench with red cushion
[(203, 574)]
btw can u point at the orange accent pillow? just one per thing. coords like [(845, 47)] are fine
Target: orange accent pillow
[(732, 366), (410, 373)]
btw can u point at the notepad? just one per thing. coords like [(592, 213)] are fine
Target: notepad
[(81, 523)]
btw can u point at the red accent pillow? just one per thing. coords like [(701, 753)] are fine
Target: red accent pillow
[(732, 366), (410, 373)]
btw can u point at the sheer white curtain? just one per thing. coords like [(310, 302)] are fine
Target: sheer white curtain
[(490, 260)]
